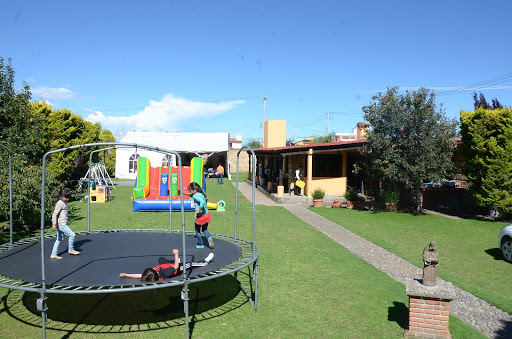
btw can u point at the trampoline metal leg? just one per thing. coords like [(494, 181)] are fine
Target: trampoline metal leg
[(184, 297), (255, 279), (254, 303), (41, 306)]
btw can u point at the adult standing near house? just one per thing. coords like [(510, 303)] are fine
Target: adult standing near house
[(298, 176), (220, 174)]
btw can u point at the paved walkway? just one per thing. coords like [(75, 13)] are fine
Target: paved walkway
[(261, 199), (477, 313)]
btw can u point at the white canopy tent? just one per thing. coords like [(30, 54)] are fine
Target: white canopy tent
[(199, 143)]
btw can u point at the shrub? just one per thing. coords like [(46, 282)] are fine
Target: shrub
[(351, 194), (391, 196), (318, 194), (488, 156)]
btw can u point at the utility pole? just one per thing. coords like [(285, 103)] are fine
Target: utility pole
[(327, 116), (264, 99)]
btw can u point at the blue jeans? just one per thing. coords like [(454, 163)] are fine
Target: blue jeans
[(219, 178), (199, 235), (61, 230)]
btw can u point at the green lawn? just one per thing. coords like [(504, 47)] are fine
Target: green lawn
[(309, 286), (468, 249)]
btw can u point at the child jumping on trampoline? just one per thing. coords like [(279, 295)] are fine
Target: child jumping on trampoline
[(166, 268), (60, 224), (203, 216)]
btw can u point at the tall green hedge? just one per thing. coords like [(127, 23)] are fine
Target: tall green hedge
[(487, 137)]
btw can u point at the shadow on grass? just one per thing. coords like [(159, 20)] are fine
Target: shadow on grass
[(495, 253), (399, 313), (127, 312), (18, 234), (505, 332)]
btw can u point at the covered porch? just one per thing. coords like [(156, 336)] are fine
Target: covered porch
[(326, 166)]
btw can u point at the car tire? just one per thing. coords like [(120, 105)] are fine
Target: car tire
[(506, 248)]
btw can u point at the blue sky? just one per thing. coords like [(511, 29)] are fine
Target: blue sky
[(205, 66)]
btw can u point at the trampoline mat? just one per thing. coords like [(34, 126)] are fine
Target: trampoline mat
[(104, 255)]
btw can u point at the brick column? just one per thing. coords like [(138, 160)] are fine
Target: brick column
[(429, 309)]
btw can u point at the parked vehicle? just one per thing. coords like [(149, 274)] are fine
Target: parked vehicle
[(506, 242)]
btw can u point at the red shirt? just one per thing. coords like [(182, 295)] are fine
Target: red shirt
[(166, 271)]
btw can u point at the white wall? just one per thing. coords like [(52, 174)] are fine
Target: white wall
[(123, 161)]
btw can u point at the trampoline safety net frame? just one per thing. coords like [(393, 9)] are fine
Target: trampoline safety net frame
[(249, 251)]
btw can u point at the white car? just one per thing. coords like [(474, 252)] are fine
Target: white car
[(506, 242)]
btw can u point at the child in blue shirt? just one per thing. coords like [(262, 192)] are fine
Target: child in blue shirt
[(203, 216)]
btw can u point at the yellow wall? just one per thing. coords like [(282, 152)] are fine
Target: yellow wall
[(274, 133), (331, 186), (307, 141)]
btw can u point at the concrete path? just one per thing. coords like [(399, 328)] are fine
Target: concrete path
[(261, 199), (477, 313), (123, 182)]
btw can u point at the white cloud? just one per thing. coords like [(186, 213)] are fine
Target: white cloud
[(54, 93), (50, 103), (31, 80), (166, 115)]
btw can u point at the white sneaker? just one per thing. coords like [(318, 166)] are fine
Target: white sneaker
[(209, 257)]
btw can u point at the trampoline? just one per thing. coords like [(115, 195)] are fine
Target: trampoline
[(25, 264)]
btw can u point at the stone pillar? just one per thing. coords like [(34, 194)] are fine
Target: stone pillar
[(280, 191), (429, 309)]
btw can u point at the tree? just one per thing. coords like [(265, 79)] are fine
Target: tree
[(26, 186), (410, 140), (322, 139), (62, 129), (487, 138), (482, 103), (21, 132), (110, 160), (254, 144)]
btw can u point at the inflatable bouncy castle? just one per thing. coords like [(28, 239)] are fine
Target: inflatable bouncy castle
[(154, 185)]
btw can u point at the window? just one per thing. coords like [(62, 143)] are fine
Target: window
[(327, 165), (132, 163), (166, 159)]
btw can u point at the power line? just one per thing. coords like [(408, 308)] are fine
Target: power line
[(354, 112), (311, 123), (312, 130), (486, 83)]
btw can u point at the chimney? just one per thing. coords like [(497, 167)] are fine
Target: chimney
[(274, 133), (362, 129)]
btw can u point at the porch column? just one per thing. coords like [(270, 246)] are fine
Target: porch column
[(344, 172), (309, 181), (250, 168)]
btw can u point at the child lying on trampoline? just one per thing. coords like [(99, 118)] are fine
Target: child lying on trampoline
[(166, 268)]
